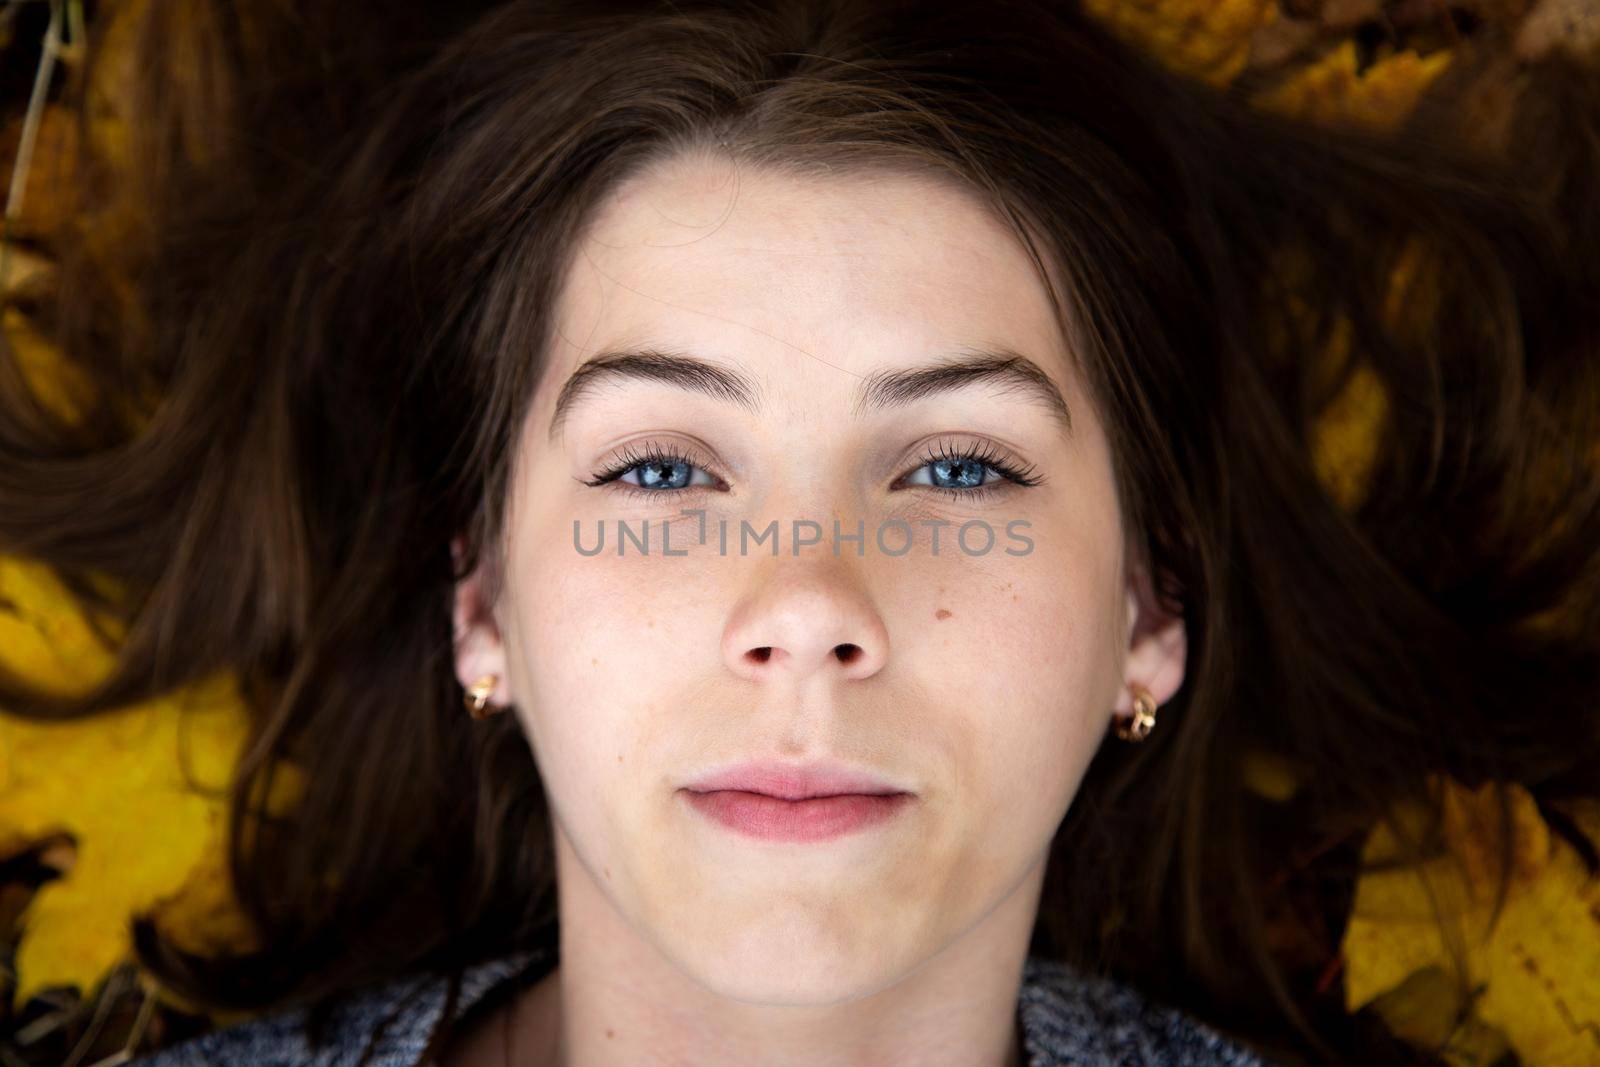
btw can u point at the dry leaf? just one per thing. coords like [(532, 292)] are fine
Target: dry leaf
[(1205, 39), (1535, 968), (115, 782), (1429, 1012), (1333, 91)]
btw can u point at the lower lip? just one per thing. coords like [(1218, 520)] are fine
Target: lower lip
[(775, 819)]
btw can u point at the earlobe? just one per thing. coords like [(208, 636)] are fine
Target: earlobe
[(1157, 644), (1157, 661), (479, 648)]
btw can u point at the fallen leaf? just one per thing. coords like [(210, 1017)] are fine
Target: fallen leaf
[(119, 783), (1535, 967), (1428, 1011), (1209, 40), (1333, 91)]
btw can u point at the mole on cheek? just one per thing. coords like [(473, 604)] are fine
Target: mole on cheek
[(942, 614)]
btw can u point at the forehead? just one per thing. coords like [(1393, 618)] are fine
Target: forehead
[(756, 266)]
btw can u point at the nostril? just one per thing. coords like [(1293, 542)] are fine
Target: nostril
[(762, 654), (847, 653)]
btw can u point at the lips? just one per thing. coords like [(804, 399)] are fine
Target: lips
[(796, 781), (769, 818), (780, 801)]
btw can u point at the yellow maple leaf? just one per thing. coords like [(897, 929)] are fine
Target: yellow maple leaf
[(1530, 975), (142, 790), (1332, 90), (1204, 39), (1425, 1010)]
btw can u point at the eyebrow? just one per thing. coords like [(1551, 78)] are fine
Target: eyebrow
[(880, 390)]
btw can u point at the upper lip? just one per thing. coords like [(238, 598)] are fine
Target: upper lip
[(794, 781)]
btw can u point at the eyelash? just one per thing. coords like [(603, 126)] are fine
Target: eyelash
[(985, 454)]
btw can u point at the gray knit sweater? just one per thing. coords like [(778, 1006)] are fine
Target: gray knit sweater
[(1067, 1019)]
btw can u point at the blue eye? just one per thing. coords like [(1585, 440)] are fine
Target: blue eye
[(965, 471), (656, 471)]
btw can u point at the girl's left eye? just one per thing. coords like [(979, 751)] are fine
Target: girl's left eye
[(654, 471), (963, 471)]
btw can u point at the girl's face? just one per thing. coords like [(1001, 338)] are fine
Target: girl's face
[(978, 673)]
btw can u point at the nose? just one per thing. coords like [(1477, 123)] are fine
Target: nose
[(803, 618)]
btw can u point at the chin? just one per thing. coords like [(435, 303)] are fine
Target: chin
[(791, 960)]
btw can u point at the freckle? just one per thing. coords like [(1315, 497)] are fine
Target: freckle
[(651, 623), (610, 1032), (942, 614), (1015, 597), (608, 873), (594, 663)]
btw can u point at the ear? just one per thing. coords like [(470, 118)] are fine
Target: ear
[(479, 648), (1157, 642)]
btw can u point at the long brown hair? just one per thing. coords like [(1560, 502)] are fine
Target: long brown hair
[(311, 342)]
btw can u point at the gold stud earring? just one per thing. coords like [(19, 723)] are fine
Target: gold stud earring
[(478, 697), (1138, 727)]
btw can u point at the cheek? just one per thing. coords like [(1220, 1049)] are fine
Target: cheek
[(604, 649), (1024, 649)]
